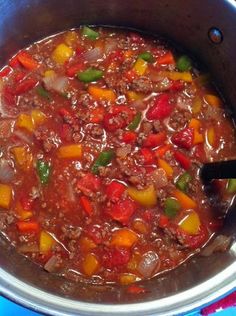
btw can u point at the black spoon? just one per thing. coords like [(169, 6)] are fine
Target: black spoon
[(218, 170)]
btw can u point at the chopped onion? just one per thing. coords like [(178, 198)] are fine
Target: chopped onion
[(149, 264), (220, 243), (50, 265), (25, 138), (56, 83), (6, 171), (110, 46), (70, 193), (93, 55)]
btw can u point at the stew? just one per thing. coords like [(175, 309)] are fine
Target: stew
[(102, 135)]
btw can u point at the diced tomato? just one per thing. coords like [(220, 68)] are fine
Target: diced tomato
[(94, 232), (72, 70), (27, 61), (89, 182), (163, 221), (28, 227), (129, 137), (114, 190), (166, 59), (184, 138), (196, 241), (147, 155), (122, 211), (25, 85), (87, 205), (114, 257), (5, 71), (119, 117), (183, 160), (160, 109), (154, 140), (136, 289), (177, 85)]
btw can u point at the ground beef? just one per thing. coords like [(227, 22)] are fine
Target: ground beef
[(84, 100), (146, 127), (179, 119), (142, 84), (117, 82), (122, 152), (70, 232), (157, 126), (48, 138)]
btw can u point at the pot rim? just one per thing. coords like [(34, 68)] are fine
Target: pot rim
[(41, 301)]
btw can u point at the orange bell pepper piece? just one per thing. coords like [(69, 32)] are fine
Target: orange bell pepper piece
[(24, 214), (23, 157), (197, 137), (124, 237), (5, 195), (27, 60), (90, 264), (70, 151), (102, 93), (213, 100), (210, 136), (164, 165), (185, 201)]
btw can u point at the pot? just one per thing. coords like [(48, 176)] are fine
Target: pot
[(207, 31)]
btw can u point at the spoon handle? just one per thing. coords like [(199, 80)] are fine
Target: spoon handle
[(218, 170)]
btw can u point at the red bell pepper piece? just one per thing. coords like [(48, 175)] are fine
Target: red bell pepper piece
[(28, 227), (147, 155), (163, 221), (160, 109), (183, 160), (72, 70), (184, 138), (25, 85), (5, 71), (129, 137), (114, 257), (27, 61), (14, 62), (114, 190), (122, 211), (119, 117), (160, 151), (154, 140), (176, 85), (166, 59), (87, 205)]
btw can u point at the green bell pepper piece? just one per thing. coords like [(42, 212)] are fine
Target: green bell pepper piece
[(231, 187), (184, 63), (102, 160), (183, 181), (172, 207), (90, 74), (135, 123), (147, 56), (43, 93), (43, 170), (91, 34)]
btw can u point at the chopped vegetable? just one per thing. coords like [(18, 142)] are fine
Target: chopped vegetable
[(23, 213), (90, 75), (140, 66), (91, 34), (46, 241), (164, 165), (147, 56), (185, 201), (5, 195), (147, 155), (103, 159), (210, 136), (184, 138), (38, 117), (183, 160), (127, 278), (161, 108), (90, 264), (62, 53), (122, 211), (190, 223), (102, 93), (183, 181), (231, 187), (172, 207), (27, 60), (174, 75), (124, 237), (97, 114), (43, 170), (196, 125), (25, 121), (154, 140), (135, 123), (43, 93), (25, 86), (134, 96), (166, 59), (129, 137), (23, 157), (70, 151), (87, 205), (86, 244), (184, 63), (213, 100), (114, 190), (160, 152), (71, 38), (28, 227), (149, 264), (146, 197)]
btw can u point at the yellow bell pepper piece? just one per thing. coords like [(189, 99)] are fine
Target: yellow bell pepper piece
[(134, 96), (46, 241), (38, 117), (70, 151), (62, 53), (71, 38), (197, 105), (140, 66), (23, 157), (213, 100), (24, 214), (210, 136), (197, 137), (146, 197), (185, 201), (25, 121), (5, 195), (175, 75), (102, 94), (90, 264), (124, 237), (164, 165), (190, 223), (86, 244), (127, 278), (49, 73)]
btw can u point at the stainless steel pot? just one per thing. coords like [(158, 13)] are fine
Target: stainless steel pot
[(188, 23)]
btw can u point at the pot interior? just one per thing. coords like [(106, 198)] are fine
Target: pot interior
[(184, 22)]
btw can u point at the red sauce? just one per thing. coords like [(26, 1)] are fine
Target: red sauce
[(102, 136)]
